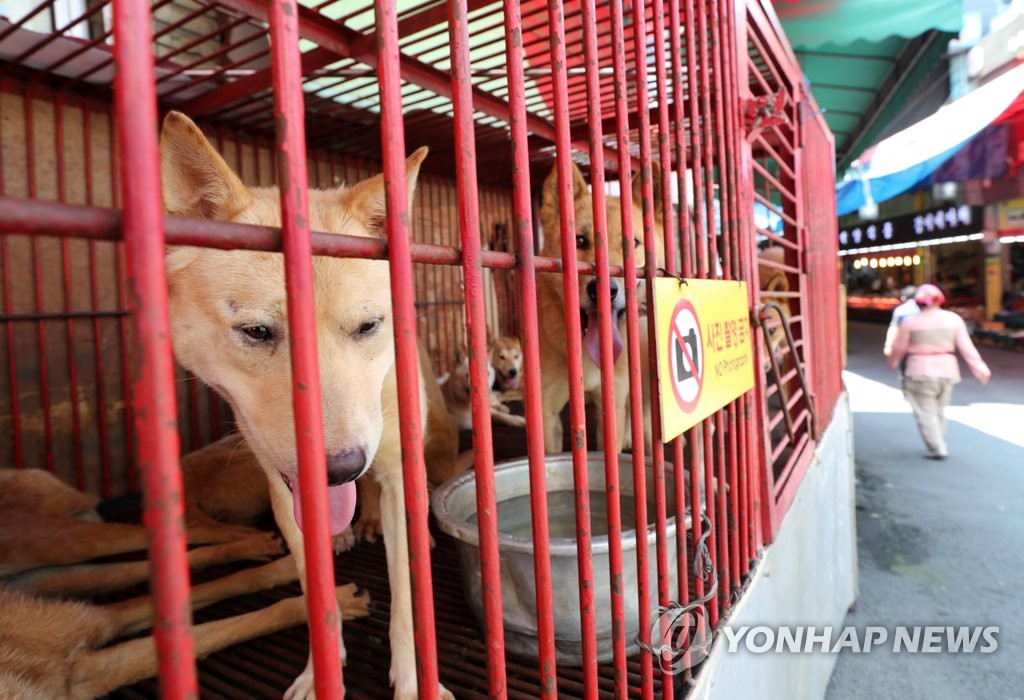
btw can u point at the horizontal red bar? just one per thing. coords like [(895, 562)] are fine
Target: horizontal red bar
[(38, 218)]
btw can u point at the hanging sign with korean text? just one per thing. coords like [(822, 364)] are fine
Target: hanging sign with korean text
[(705, 357)]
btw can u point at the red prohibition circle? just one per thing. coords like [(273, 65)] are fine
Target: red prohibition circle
[(673, 337)]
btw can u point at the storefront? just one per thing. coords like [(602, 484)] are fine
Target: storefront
[(942, 246)]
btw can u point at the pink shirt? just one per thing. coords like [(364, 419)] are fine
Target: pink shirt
[(930, 340)]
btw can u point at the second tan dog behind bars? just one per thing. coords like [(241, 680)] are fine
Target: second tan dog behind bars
[(551, 304), (230, 328)]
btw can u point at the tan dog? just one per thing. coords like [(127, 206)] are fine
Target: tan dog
[(506, 355), (774, 284), (456, 391), (551, 304), (230, 328), (50, 531), (58, 649)]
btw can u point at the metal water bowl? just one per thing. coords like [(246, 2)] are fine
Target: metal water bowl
[(454, 506)]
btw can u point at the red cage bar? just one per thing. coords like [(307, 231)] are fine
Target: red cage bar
[(674, 82)]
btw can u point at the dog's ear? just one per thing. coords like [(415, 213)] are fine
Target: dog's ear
[(196, 180), (656, 185), (180, 257), (366, 200), (549, 202)]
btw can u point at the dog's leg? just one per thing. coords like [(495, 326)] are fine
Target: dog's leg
[(507, 418), (282, 503), (93, 579), (368, 527), (98, 673), (554, 398), (396, 545)]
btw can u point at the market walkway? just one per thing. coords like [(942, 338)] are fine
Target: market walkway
[(940, 543)]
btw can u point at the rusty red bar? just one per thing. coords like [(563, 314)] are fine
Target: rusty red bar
[(406, 355), (12, 361), (94, 297), (639, 30), (309, 435), (531, 354), (37, 286), (69, 325), (121, 266), (476, 327), (574, 345), (634, 358), (158, 450), (605, 318)]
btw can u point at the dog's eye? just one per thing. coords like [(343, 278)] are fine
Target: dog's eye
[(369, 328), (258, 333), (637, 242), (582, 243)]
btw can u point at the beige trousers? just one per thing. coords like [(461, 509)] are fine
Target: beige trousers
[(929, 396)]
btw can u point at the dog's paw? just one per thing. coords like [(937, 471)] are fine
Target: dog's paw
[(516, 421), (367, 529), (353, 602), (442, 693), (302, 687), (344, 541), (271, 545)]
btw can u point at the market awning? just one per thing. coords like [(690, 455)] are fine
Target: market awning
[(813, 23), (867, 61), (909, 157)]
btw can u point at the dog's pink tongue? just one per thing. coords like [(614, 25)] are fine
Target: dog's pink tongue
[(341, 505), (592, 339)]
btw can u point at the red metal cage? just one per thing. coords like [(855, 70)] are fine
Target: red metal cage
[(314, 94)]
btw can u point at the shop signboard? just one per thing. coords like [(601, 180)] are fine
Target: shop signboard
[(911, 229)]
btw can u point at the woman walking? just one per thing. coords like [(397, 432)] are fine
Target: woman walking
[(930, 340)]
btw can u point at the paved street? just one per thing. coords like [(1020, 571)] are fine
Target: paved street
[(940, 543)]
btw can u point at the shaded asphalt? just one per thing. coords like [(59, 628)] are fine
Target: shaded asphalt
[(940, 542)]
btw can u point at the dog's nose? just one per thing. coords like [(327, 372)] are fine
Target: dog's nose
[(592, 289), (345, 465), (512, 372)]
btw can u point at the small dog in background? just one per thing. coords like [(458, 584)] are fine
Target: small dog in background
[(506, 355), (455, 387)]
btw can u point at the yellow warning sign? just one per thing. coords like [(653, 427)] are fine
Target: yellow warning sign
[(705, 357)]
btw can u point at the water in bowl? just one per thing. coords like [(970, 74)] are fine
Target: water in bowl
[(514, 515)]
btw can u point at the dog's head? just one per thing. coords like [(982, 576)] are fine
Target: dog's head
[(507, 360), (586, 239), (229, 310), (774, 281), (459, 376)]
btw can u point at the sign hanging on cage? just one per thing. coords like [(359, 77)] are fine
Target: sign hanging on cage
[(705, 357)]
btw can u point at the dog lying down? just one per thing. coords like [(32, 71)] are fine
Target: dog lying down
[(58, 648), (49, 533)]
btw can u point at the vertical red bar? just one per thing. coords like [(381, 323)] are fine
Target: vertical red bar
[(12, 363), (37, 275), (527, 278), (605, 320), (574, 345), (94, 296), (639, 463), (476, 326), (650, 273), (289, 113), (69, 326), (406, 355), (135, 104)]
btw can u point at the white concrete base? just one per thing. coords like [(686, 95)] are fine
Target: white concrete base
[(808, 576)]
